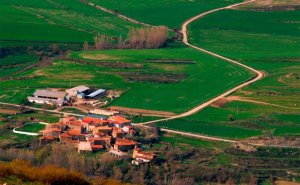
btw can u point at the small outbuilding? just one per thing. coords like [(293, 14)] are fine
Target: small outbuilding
[(78, 91)]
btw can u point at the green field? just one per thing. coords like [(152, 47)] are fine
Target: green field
[(171, 13), (63, 21), (269, 41), (33, 127), (13, 63), (174, 97)]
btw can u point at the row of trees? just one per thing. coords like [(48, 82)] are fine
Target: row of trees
[(138, 38)]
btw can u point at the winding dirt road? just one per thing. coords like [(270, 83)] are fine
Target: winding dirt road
[(258, 74)]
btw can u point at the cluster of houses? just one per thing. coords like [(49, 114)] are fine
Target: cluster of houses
[(95, 133), (54, 97)]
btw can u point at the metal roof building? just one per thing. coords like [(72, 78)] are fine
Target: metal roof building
[(96, 93)]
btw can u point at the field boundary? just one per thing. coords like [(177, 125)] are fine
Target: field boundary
[(117, 14)]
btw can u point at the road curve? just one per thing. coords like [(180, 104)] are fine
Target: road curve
[(258, 74)]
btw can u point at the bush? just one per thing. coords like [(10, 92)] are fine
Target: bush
[(49, 174)]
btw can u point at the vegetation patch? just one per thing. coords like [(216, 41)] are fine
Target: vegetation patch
[(32, 127), (170, 61), (152, 77)]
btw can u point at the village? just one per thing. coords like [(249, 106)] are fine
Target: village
[(99, 130)]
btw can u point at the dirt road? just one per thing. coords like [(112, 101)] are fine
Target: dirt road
[(258, 74), (39, 109)]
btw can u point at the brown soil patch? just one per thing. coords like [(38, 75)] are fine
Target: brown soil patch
[(152, 77), (273, 5), (109, 64), (287, 183), (7, 111), (142, 112), (222, 102), (170, 61), (98, 56), (278, 141)]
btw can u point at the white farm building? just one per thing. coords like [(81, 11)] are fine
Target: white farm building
[(48, 97)]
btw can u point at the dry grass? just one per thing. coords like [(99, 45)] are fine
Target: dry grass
[(98, 56)]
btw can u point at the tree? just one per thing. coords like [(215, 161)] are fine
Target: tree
[(86, 46)]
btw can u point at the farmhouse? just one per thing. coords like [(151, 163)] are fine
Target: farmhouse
[(141, 156), (119, 121), (124, 145), (48, 97), (53, 132), (78, 91)]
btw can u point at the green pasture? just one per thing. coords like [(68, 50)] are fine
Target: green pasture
[(37, 116), (268, 41), (239, 120), (171, 13), (199, 85), (34, 127), (188, 142), (63, 21), (13, 63)]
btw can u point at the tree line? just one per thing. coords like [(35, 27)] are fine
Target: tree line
[(137, 38)]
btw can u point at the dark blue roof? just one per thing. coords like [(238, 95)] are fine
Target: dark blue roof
[(97, 116)]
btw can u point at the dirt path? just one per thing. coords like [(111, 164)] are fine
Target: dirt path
[(39, 109), (117, 14), (241, 99), (224, 101), (258, 74), (142, 112)]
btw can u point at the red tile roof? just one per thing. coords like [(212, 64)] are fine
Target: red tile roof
[(103, 128), (74, 123), (118, 120), (51, 130), (47, 137), (96, 139), (74, 132), (97, 146), (68, 119), (65, 135), (89, 120), (125, 142)]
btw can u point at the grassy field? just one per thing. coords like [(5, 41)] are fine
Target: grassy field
[(188, 142), (11, 64), (171, 13), (197, 70), (268, 42), (34, 127), (63, 21)]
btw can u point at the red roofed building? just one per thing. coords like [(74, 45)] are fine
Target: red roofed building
[(97, 143), (75, 125), (47, 139), (76, 135), (117, 132), (141, 156), (104, 129), (124, 144), (119, 121), (90, 123), (54, 132)]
